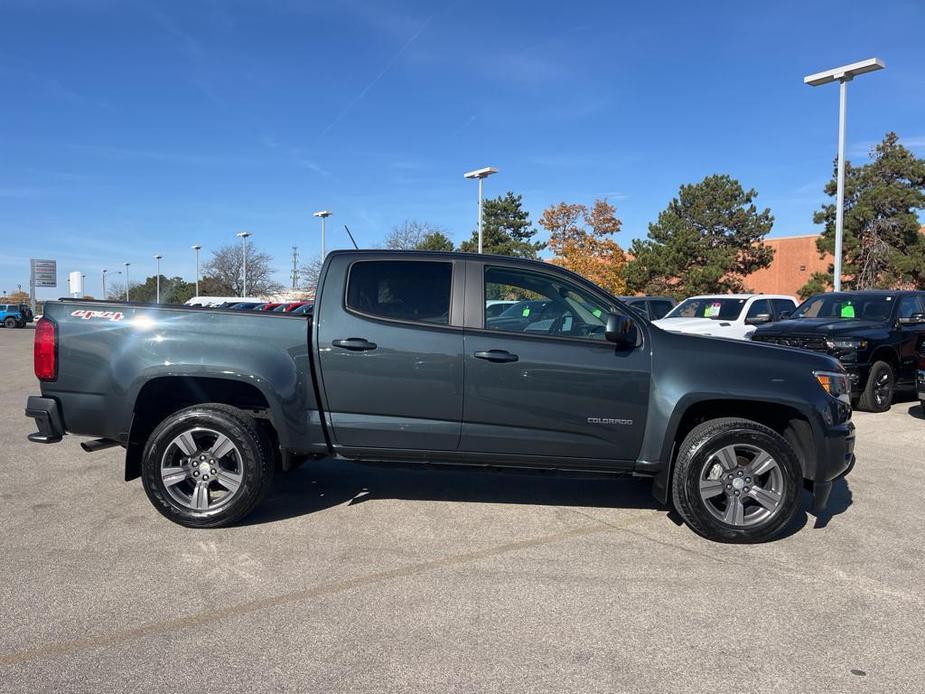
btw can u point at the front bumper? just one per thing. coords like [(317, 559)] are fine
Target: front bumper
[(857, 376), (47, 418)]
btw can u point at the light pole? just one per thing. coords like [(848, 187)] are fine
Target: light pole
[(157, 279), (480, 174), (104, 281), (324, 214), (197, 248), (244, 235), (842, 75), (126, 280)]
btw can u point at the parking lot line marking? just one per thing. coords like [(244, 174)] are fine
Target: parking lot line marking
[(204, 618)]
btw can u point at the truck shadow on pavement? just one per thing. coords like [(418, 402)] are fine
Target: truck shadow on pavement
[(328, 483)]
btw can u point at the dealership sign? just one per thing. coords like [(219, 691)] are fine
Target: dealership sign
[(44, 273)]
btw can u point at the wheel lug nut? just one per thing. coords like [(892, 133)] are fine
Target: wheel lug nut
[(202, 457), (205, 477), (211, 462), (212, 471), (745, 489), (195, 463), (748, 479), (728, 486), (737, 493), (739, 473), (196, 474)]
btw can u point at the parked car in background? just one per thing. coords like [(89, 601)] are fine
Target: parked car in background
[(11, 316), (495, 307), (303, 310), (726, 315), (652, 307), (246, 305), (26, 312), (288, 306), (875, 334), (267, 306), (219, 301), (402, 367)]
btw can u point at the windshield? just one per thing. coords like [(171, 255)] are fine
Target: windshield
[(846, 307), (713, 307)]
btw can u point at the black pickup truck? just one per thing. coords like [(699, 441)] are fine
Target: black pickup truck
[(399, 365), (875, 334)]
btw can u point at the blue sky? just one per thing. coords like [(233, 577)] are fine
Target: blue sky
[(134, 128)]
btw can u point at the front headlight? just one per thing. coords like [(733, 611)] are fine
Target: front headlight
[(846, 343), (835, 384)]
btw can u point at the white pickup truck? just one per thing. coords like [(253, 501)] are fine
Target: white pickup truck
[(726, 315)]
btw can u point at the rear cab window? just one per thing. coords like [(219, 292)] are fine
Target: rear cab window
[(401, 290)]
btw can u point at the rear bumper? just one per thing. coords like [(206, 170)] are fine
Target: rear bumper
[(47, 418)]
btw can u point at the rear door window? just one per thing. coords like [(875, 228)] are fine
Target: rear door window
[(659, 309), (403, 290)]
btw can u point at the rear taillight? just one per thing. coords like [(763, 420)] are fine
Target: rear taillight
[(45, 352)]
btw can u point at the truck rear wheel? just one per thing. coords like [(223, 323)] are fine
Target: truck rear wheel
[(736, 481), (206, 466), (878, 391), (10, 322)]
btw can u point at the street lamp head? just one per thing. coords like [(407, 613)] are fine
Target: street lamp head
[(243, 234), (481, 173), (322, 213), (197, 247), (126, 264), (158, 256), (844, 73)]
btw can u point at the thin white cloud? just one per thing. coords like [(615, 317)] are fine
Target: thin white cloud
[(372, 83)]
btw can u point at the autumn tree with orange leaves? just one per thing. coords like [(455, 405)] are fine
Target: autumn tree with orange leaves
[(580, 239)]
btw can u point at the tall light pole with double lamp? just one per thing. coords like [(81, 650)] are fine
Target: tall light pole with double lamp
[(197, 248), (126, 280), (243, 235), (324, 214), (158, 277), (481, 175), (842, 75)]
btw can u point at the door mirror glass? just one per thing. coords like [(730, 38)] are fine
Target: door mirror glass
[(620, 330), (759, 319)]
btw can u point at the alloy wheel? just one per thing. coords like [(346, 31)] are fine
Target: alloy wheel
[(741, 485), (202, 469)]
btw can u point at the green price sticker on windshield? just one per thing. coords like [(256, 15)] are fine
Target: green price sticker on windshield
[(847, 311), (525, 312), (597, 312)]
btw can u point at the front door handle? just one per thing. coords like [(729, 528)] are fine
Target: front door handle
[(497, 355), (355, 344)]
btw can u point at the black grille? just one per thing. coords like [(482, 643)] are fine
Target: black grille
[(811, 342)]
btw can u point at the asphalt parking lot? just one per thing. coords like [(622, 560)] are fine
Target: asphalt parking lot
[(360, 579)]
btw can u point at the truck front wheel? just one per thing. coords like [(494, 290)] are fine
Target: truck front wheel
[(206, 466), (878, 391), (736, 480)]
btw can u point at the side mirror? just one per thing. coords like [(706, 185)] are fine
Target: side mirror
[(620, 330), (913, 319), (760, 319)]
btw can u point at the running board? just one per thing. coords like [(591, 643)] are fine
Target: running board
[(98, 445)]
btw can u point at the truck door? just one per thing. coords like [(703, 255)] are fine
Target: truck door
[(390, 352), (548, 385)]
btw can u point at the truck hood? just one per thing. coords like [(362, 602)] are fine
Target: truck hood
[(699, 326), (823, 326)]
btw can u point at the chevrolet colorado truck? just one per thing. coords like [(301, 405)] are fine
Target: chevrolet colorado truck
[(398, 364), (873, 333)]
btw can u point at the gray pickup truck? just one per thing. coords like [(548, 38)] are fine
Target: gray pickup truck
[(399, 365)]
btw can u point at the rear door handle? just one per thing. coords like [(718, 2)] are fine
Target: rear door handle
[(497, 356), (355, 344)]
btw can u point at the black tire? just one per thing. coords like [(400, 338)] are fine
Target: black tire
[(253, 459), (696, 453), (878, 391), (10, 322)]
